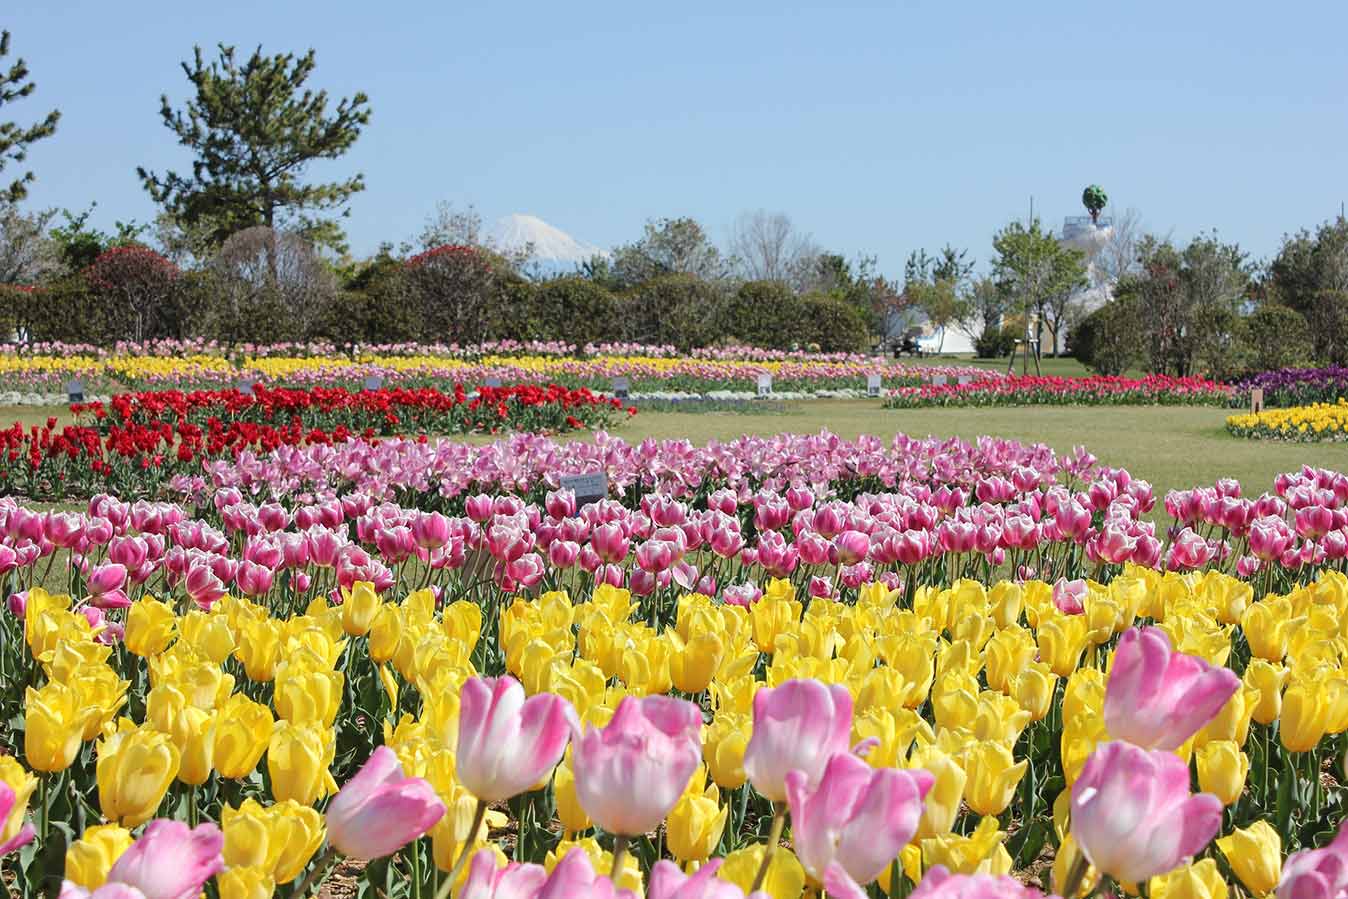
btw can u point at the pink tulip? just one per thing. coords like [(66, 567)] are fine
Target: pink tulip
[(1317, 873), (430, 530), (1157, 698), (857, 816), (1132, 813), (630, 773), (507, 744), (379, 810), (1069, 597), (106, 578), (170, 860), (939, 883), (574, 877), (25, 834), (514, 881), (668, 882), (798, 725), (71, 890)]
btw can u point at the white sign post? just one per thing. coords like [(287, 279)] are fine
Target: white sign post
[(75, 390), (765, 384), (1256, 400), (939, 380), (622, 387), (872, 385), (373, 382)]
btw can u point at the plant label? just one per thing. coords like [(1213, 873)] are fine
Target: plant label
[(75, 390), (765, 384), (588, 488), (1256, 400), (373, 382), (622, 387), (939, 380), (872, 385)]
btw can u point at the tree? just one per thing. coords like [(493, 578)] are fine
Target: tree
[(1095, 200), (27, 254), (254, 128), (1115, 255), (273, 285), (982, 317), (79, 243), (1041, 274), (876, 299), (1310, 276), (767, 247), (937, 285), (136, 287), (15, 138), (669, 246), (451, 293), (679, 310)]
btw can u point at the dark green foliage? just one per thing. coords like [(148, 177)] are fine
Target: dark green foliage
[(760, 313), (678, 310), (994, 342), (572, 309), (1108, 341), (1310, 275), (832, 324), (1095, 200), (253, 128), (1276, 337), (15, 138)]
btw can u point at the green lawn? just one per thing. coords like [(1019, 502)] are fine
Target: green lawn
[(1170, 446), (1061, 366)]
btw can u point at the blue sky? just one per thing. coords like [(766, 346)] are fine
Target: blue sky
[(878, 128)]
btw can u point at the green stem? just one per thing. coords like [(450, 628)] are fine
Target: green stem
[(1075, 874), (478, 814), (774, 837), (44, 816), (317, 873), (416, 868)]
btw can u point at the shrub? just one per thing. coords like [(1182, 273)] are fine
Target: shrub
[(678, 309), (762, 313), (1276, 337), (994, 343), (1329, 326), (272, 286), (572, 309), (136, 287), (835, 325), (449, 291), (1108, 340)]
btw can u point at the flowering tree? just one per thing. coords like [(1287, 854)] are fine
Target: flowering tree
[(449, 290), (137, 285)]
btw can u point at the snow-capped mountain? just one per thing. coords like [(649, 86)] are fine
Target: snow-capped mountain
[(553, 250)]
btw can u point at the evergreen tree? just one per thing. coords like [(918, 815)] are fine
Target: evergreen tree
[(254, 128), (15, 138)]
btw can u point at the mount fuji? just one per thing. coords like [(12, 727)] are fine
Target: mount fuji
[(553, 250)]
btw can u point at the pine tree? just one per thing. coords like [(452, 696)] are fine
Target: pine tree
[(14, 138), (253, 129)]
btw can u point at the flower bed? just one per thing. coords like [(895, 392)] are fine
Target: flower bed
[(1303, 424), (40, 373), (759, 671), (1296, 386), (137, 442), (1033, 390)]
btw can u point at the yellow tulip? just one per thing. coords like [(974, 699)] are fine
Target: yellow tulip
[(1006, 599), (259, 648), (150, 626), (1265, 624), (462, 623), (1033, 689), (359, 606), (954, 701), (993, 776), (695, 662), (1201, 880), (305, 695), (385, 632), (895, 731), (91, 857), (245, 883), (1222, 769), (299, 757), (785, 877), (208, 634), (573, 816), (1255, 855), (981, 852), (242, 732), (1305, 716), (942, 803), (23, 784), (999, 718), (101, 693), (723, 744), (1268, 678), (136, 766), (695, 824), (1061, 641), (771, 617), (53, 727), (1233, 721), (279, 840), (1063, 861), (1007, 654)]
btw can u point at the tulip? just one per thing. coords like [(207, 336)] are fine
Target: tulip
[(278, 839), (1255, 855), (1061, 641), (695, 663), (1157, 698), (54, 721), (508, 744), (723, 746), (259, 648), (941, 804), (150, 626), (170, 860), (16, 788), (379, 810), (857, 816), (569, 810), (668, 882), (798, 725), (939, 883), (91, 857), (242, 732), (514, 881), (1266, 681), (1222, 769), (1201, 880), (785, 876), (1305, 716), (298, 759), (245, 883), (134, 771), (630, 773), (1132, 813), (695, 824), (993, 777), (1033, 689), (1316, 873), (360, 604)]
